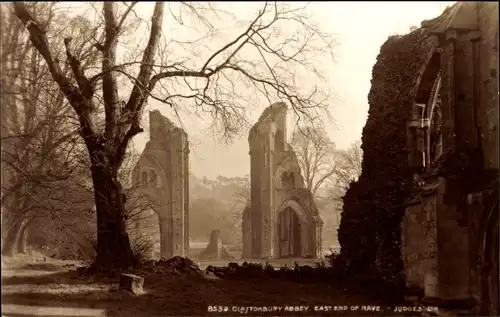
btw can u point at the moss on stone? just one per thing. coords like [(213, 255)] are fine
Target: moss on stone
[(369, 232)]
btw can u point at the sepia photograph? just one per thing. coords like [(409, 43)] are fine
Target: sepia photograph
[(254, 158)]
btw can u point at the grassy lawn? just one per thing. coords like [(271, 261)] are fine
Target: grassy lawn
[(44, 284)]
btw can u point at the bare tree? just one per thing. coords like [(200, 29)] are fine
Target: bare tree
[(272, 75), (316, 156), (242, 193), (349, 165), (40, 148), (241, 198)]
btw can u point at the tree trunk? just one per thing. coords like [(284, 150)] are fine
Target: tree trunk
[(11, 240), (113, 243), (23, 237)]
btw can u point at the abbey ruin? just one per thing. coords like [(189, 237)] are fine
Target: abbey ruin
[(428, 193), (453, 143), (161, 175), (282, 219)]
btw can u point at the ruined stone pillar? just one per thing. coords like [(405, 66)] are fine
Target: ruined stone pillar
[(186, 196), (166, 160), (430, 242), (256, 159), (247, 233), (165, 238), (448, 92), (267, 200), (270, 152), (179, 194), (415, 136), (319, 243)]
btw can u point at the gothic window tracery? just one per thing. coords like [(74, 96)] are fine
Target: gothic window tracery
[(144, 178), (288, 180), (435, 123), (148, 178), (436, 139), (153, 179), (155, 130)]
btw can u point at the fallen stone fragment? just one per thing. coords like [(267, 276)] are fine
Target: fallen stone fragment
[(216, 270), (211, 276), (232, 268), (131, 283)]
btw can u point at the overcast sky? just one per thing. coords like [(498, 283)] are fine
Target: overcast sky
[(360, 28)]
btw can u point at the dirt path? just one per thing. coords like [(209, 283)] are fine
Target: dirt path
[(25, 276)]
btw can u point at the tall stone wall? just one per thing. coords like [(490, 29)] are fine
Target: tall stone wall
[(161, 176), (488, 78), (373, 208), (263, 154), (457, 156), (486, 244), (276, 184)]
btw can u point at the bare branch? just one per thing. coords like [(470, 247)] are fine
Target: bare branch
[(109, 86), (125, 14), (138, 96), (228, 45), (85, 85), (315, 154), (76, 99)]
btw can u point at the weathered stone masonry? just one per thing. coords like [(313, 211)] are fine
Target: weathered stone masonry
[(430, 162), (450, 229), (162, 177), (369, 231), (282, 219)]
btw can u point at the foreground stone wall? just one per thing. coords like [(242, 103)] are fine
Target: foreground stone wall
[(488, 77), (370, 226), (431, 160), (466, 169)]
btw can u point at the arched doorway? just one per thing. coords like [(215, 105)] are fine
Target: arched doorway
[(293, 235), (490, 275), (290, 241)]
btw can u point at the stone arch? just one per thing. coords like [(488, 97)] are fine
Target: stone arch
[(425, 131), (281, 168), (277, 184), (300, 212), (428, 74)]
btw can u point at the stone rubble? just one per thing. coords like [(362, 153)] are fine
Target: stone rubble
[(178, 264)]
